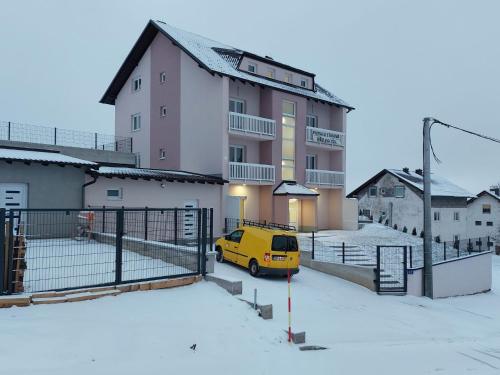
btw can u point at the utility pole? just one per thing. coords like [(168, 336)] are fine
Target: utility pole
[(428, 287)]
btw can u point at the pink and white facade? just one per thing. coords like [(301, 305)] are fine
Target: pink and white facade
[(191, 103)]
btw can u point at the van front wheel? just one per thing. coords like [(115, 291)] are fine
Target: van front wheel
[(219, 256), (253, 267)]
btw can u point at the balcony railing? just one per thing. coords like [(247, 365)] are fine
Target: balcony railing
[(254, 126), (319, 177), (325, 137), (12, 131), (260, 174)]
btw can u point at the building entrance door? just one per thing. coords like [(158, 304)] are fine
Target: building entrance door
[(294, 213)]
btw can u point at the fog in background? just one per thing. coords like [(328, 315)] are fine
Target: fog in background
[(395, 61)]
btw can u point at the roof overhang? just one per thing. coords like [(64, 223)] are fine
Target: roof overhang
[(292, 188)]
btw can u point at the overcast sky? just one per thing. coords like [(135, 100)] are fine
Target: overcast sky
[(395, 61)]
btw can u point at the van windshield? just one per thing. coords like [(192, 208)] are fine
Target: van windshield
[(284, 243)]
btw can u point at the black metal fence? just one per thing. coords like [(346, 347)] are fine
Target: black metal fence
[(329, 250), (43, 250), (12, 131)]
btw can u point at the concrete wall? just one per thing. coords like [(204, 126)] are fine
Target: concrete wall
[(98, 156), (249, 94), (128, 103), (141, 193), (251, 195), (49, 186), (364, 276), (350, 214), (455, 277)]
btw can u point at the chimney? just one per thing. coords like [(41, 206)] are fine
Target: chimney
[(269, 57), (495, 190), (406, 170), (419, 172)]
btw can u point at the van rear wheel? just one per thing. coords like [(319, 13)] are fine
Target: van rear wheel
[(253, 268), (219, 256)]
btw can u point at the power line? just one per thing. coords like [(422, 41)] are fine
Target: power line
[(435, 121)]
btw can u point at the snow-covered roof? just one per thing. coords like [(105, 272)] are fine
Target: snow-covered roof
[(157, 174), (41, 156), (213, 56), (293, 188), (440, 186), (484, 192)]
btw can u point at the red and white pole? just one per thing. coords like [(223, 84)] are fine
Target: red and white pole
[(289, 310)]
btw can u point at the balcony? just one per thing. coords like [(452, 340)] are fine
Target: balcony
[(328, 179), (252, 126), (325, 138), (254, 174)]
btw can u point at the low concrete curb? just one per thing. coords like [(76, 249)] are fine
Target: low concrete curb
[(234, 287)]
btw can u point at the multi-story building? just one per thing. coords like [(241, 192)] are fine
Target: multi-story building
[(483, 215), (395, 197), (190, 103)]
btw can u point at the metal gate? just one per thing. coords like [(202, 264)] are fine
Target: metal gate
[(391, 270)]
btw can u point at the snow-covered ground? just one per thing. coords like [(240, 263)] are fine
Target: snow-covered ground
[(151, 332), (67, 263), (361, 245)]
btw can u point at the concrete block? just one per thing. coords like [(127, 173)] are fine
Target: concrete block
[(9, 301), (266, 311), (210, 263), (145, 286), (299, 337), (234, 287)]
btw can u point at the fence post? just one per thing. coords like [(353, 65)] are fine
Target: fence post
[(488, 243), (103, 219), (146, 223), (8, 132), (10, 249), (119, 245), (95, 140), (411, 256), (176, 211), (405, 268), (204, 241), (343, 252), (2, 250), (377, 276), (458, 249), (211, 229), (198, 235), (55, 136), (469, 247), (444, 250), (312, 250)]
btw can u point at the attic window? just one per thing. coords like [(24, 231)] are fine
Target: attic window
[(399, 191), (136, 84), (372, 192), (252, 68), (303, 82)]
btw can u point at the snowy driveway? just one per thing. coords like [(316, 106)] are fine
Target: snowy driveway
[(151, 332)]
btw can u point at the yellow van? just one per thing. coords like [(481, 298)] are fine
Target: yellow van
[(263, 249)]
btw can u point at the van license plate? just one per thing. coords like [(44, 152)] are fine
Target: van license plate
[(279, 257)]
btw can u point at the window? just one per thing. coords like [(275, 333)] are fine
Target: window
[(236, 105), (136, 122), (486, 208), (288, 141), (163, 153), (489, 223), (372, 192), (303, 82), (163, 111), (437, 216), (399, 191), (312, 121), (114, 194), (284, 243), (252, 68), (288, 78), (163, 77), (237, 154), (311, 161), (456, 216), (136, 84), (478, 223), (236, 236), (270, 73)]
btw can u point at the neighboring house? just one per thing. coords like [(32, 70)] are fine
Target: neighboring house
[(395, 197), (483, 215), (191, 103)]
